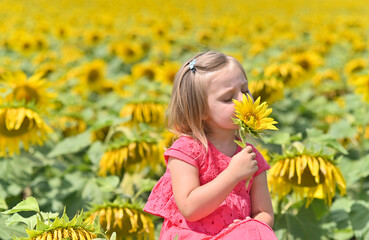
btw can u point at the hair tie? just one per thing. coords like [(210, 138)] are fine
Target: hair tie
[(191, 66)]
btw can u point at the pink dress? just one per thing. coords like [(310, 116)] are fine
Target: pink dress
[(214, 226)]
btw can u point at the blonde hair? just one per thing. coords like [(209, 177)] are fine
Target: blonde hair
[(188, 105)]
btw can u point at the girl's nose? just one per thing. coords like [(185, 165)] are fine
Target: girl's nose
[(239, 96)]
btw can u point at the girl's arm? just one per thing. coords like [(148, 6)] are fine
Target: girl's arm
[(261, 203), (195, 201)]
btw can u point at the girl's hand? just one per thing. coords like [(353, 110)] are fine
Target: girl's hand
[(236, 221), (243, 165)]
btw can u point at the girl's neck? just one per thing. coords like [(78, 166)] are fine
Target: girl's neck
[(224, 142)]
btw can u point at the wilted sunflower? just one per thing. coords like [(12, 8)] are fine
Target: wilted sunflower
[(20, 124), (62, 228), (148, 112), (308, 175), (130, 155), (28, 90), (100, 134), (70, 125), (270, 89), (128, 221), (252, 117)]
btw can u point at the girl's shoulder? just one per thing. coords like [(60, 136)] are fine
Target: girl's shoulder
[(186, 148)]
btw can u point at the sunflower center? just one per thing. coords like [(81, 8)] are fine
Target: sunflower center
[(129, 52), (95, 38), (357, 68), (25, 127), (149, 74), (26, 46), (26, 93), (93, 76), (307, 179), (305, 64), (251, 118)]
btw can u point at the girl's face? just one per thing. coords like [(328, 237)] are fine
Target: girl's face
[(226, 85)]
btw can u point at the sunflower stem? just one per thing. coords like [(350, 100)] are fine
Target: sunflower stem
[(41, 217)]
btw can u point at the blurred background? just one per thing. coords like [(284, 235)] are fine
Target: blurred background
[(84, 86)]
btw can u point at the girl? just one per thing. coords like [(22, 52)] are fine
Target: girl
[(202, 194)]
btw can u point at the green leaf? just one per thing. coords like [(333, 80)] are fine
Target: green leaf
[(239, 143), (72, 144), (359, 218), (95, 153), (317, 136), (319, 208), (3, 204), (354, 170), (8, 232), (29, 204), (41, 226), (16, 218), (113, 236), (280, 138), (288, 226), (342, 129), (108, 184)]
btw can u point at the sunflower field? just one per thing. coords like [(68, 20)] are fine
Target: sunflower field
[(85, 84)]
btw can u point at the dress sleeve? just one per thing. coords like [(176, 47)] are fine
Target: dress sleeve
[(185, 149), (262, 163)]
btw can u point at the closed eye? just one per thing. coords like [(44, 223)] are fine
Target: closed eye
[(227, 100)]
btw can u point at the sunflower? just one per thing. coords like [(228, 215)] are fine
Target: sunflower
[(289, 73), (100, 134), (22, 42), (93, 36), (128, 51), (252, 117), (33, 90), (128, 221), (46, 69), (308, 175), (327, 75), (129, 155), (144, 112), (121, 86), (268, 88), (146, 70), (361, 84), (256, 48), (308, 60), (70, 54), (70, 125), (168, 71), (62, 228), (20, 124), (92, 76), (355, 65)]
